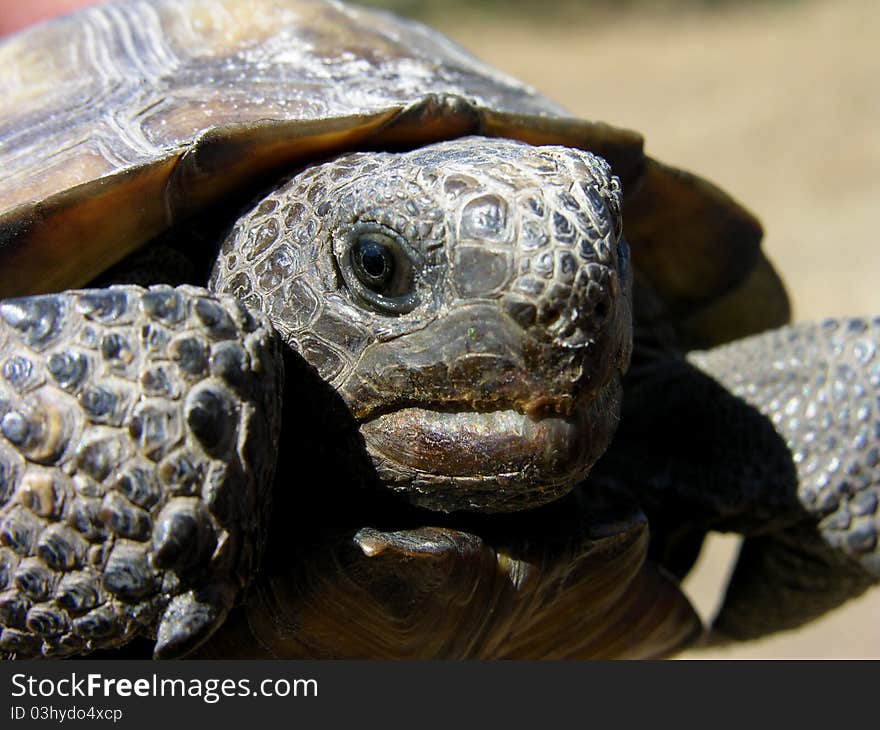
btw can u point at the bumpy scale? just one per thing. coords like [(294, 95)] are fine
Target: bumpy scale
[(134, 465)]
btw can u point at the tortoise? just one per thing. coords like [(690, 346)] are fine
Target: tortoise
[(467, 378)]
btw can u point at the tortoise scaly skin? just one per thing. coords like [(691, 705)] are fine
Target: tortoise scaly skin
[(134, 471)]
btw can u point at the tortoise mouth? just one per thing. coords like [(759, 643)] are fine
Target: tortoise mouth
[(489, 461), (466, 443)]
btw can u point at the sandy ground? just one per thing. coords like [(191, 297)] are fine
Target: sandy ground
[(779, 105)]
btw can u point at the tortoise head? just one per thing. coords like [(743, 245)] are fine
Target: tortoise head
[(468, 300)]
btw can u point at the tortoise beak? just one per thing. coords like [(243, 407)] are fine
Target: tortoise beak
[(474, 413), (495, 461)]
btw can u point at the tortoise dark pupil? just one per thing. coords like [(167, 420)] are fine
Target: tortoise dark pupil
[(378, 270), (374, 258)]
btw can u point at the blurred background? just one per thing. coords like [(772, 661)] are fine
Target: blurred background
[(777, 101)]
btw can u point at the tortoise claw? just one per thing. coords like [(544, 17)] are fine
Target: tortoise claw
[(190, 618)]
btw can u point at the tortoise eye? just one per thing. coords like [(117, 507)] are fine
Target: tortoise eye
[(378, 268)]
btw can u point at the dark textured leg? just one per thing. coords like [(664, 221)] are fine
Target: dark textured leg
[(136, 444), (775, 437), (784, 580), (819, 385)]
